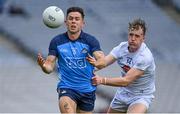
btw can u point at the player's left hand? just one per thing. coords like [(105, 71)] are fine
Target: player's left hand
[(91, 60)]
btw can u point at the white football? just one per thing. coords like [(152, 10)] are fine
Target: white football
[(53, 17)]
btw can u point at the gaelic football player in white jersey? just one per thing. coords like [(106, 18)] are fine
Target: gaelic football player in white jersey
[(137, 81)]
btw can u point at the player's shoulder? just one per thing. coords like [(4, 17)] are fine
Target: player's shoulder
[(146, 54), (119, 49), (88, 39), (122, 46), (60, 38), (87, 36)]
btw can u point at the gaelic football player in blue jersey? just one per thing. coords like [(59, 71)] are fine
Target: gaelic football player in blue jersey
[(137, 81), (70, 49)]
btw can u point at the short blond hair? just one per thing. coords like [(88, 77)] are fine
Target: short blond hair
[(135, 24)]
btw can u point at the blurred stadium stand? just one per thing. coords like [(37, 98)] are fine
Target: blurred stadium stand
[(163, 2), (176, 4), (108, 21)]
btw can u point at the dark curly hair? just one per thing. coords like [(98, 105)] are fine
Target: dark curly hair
[(75, 9)]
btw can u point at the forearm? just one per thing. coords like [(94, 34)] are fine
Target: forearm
[(120, 81)]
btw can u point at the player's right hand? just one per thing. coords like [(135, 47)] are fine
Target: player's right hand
[(97, 80)]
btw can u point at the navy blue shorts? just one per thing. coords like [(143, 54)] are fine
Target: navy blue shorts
[(84, 101)]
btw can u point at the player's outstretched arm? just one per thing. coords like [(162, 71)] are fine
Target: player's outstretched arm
[(47, 64), (131, 75)]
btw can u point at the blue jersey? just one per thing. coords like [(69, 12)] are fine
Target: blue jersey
[(74, 70)]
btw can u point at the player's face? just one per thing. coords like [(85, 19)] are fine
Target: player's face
[(74, 22), (135, 39)]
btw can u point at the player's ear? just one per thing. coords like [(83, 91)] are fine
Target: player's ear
[(65, 21), (83, 23), (143, 38)]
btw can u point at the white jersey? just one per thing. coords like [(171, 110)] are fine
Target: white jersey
[(141, 59)]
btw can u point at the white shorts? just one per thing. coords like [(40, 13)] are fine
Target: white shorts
[(124, 99)]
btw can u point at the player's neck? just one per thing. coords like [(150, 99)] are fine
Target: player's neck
[(73, 36), (132, 50)]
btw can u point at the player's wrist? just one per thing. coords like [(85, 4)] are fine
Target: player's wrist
[(104, 81)]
